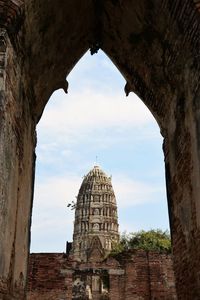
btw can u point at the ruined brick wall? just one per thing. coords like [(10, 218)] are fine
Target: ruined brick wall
[(136, 275), (45, 278), (17, 143), (147, 276)]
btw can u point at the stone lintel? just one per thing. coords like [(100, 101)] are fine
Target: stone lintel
[(66, 271), (116, 272)]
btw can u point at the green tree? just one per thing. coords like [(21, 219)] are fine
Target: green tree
[(152, 240)]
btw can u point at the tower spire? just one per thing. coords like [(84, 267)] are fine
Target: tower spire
[(96, 221)]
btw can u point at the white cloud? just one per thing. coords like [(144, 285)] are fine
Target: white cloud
[(99, 120), (51, 215), (76, 126), (130, 192), (55, 192), (52, 222), (92, 110), (127, 227)]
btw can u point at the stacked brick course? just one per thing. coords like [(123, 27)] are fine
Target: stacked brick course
[(46, 279), (133, 275)]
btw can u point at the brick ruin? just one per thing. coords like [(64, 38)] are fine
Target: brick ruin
[(155, 44), (131, 275), (89, 270)]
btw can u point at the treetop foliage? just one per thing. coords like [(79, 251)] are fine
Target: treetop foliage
[(152, 240)]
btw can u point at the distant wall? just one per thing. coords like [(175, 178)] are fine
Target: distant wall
[(134, 275)]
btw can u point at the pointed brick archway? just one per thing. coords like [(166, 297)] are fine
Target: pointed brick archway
[(155, 45)]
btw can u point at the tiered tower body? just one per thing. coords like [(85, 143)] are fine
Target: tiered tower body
[(96, 221)]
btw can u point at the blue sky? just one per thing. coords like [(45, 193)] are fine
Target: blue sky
[(94, 119)]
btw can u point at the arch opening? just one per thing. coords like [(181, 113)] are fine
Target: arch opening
[(96, 125), (95, 119)]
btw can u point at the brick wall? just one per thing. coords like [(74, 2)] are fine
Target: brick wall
[(45, 279), (132, 275), (148, 276)]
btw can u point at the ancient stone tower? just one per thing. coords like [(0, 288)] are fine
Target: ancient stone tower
[(96, 221)]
